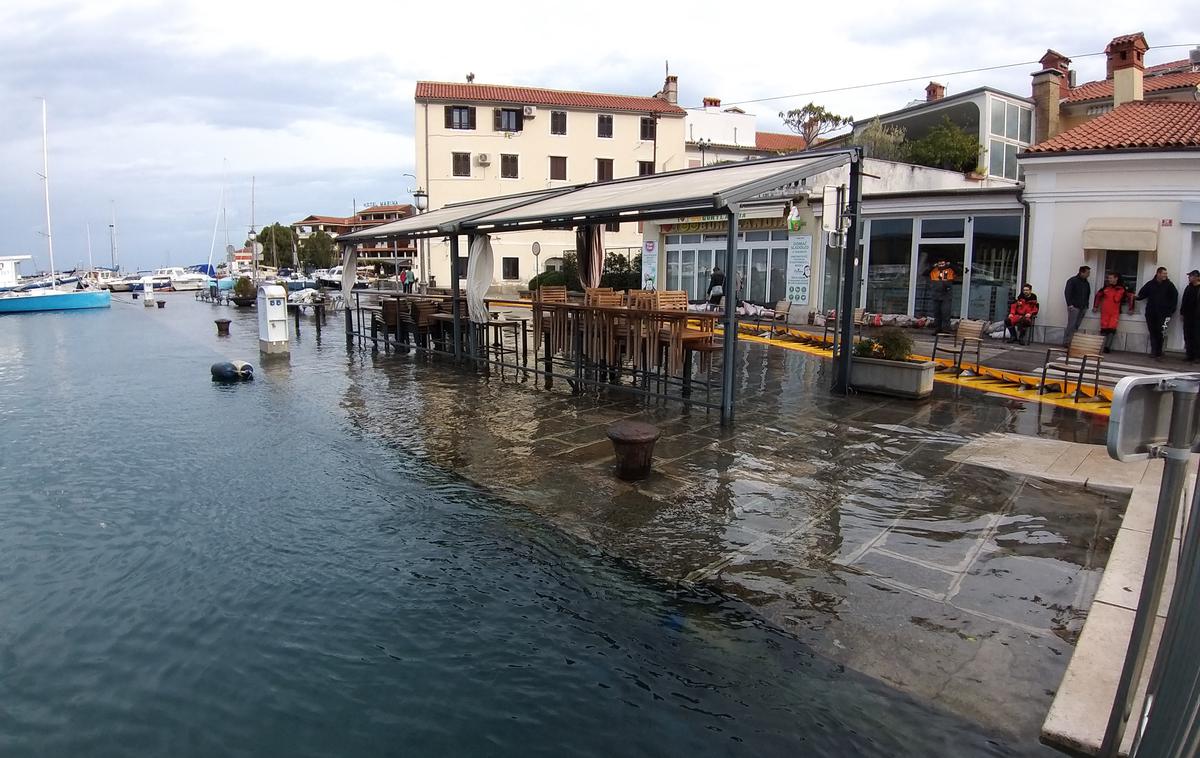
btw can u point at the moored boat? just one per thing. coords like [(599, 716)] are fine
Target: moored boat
[(53, 300)]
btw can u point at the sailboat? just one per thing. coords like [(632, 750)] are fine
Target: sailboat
[(51, 298)]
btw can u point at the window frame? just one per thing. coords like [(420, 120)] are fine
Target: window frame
[(643, 165), (455, 155), (653, 130), (516, 264), (451, 113), (554, 158), (499, 121), (611, 169), (516, 161), (600, 121), (563, 114)]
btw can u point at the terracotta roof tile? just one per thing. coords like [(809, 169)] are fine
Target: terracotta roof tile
[(781, 143), (1103, 90), (1169, 67), (493, 93), (1137, 125)]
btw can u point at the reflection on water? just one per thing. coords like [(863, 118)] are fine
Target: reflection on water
[(281, 568)]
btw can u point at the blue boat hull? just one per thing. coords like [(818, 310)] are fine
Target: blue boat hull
[(58, 301)]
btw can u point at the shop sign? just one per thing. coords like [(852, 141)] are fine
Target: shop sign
[(708, 227), (799, 270), (649, 265)]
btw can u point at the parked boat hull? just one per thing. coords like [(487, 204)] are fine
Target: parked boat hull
[(32, 302)]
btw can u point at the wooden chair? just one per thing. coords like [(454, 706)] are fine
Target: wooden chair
[(591, 294), (774, 316), (1084, 349), (858, 319), (969, 334), (671, 300)]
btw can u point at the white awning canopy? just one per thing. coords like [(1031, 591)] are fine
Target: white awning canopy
[(1121, 234), (714, 189)]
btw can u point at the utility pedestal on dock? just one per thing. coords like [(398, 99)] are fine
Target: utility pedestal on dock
[(272, 319)]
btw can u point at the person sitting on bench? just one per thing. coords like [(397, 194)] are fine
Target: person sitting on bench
[(1021, 314)]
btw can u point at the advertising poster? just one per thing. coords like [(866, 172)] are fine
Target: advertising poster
[(650, 265), (799, 269)]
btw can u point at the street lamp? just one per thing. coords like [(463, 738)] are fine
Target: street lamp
[(703, 144), (421, 200)]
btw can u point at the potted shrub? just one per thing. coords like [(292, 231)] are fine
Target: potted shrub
[(884, 365), (244, 292)]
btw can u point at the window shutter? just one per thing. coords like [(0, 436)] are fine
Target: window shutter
[(449, 116), (521, 120), (497, 120), (471, 116)]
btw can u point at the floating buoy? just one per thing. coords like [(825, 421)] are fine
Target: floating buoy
[(232, 371)]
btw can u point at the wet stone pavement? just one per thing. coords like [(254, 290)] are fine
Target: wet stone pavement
[(837, 519)]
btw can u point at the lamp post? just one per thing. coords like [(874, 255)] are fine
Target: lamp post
[(704, 144), (421, 200)]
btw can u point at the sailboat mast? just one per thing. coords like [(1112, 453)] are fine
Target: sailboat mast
[(253, 233), (112, 235), (91, 266), (46, 185)]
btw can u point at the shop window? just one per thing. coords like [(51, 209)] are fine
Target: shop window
[(928, 255), (510, 268), (460, 117), (995, 257), (689, 239), (943, 228), (558, 167), (508, 166), (758, 236), (604, 126), (890, 265), (779, 236), (558, 122), (508, 119), (461, 164), (777, 280)]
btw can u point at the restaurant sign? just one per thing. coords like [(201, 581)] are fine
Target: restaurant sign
[(707, 224), (799, 270)]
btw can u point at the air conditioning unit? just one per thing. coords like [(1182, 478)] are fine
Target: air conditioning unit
[(483, 159), (530, 111)]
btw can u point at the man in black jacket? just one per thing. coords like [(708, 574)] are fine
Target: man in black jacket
[(1078, 294), (1189, 313), (1161, 299)]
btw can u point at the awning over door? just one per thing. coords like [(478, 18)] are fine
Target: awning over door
[(1121, 234)]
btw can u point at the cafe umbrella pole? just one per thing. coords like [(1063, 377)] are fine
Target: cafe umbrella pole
[(729, 354)]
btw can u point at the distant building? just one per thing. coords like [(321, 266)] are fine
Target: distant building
[(1003, 123), (716, 134), (482, 140), (372, 214)]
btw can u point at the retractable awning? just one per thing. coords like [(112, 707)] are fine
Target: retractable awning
[(707, 190), (1121, 234), (446, 219)]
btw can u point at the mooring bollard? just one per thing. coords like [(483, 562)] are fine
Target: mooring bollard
[(222, 327), (633, 444), (134, 295), (162, 303)]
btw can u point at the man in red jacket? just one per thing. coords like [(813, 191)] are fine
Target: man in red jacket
[(1021, 314)]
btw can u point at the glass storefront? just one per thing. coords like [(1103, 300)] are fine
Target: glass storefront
[(995, 261), (890, 265), (760, 271)]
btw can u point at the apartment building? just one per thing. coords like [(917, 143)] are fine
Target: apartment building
[(372, 214), (484, 140), (716, 135)]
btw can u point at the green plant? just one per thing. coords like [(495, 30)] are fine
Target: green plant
[(885, 142), (812, 121), (552, 278), (891, 344), (946, 146), (244, 287)]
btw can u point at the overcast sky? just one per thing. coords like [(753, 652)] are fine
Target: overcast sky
[(151, 103)]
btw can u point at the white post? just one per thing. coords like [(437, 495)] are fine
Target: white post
[(46, 183)]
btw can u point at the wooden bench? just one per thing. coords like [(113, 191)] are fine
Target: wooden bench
[(859, 320), (969, 334)]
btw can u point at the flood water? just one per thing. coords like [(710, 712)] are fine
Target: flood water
[(190, 569)]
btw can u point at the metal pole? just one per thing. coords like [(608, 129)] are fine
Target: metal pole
[(1173, 704), (455, 298), (1176, 453), (46, 182), (729, 354), (845, 314)]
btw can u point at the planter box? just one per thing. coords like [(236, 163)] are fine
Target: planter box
[(896, 378)]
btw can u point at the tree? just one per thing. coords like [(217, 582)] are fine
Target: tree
[(947, 146), (883, 142), (813, 120), (318, 251), (277, 241)]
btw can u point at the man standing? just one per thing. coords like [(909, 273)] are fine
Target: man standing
[(1189, 313), (1161, 298), (941, 287), (716, 287), (1078, 294)]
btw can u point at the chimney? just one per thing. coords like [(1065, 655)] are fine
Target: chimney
[(1125, 67), (934, 91), (712, 102), (671, 89), (1194, 59), (1056, 61)]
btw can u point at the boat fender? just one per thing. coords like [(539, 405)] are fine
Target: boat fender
[(232, 371)]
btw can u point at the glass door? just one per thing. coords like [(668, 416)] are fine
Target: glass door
[(995, 259), (929, 254)]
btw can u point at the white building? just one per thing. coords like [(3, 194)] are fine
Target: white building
[(480, 140), (716, 135), (1118, 193)]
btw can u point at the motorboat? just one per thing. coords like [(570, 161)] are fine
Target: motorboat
[(102, 278), (192, 278), (160, 281), (333, 279), (125, 283)]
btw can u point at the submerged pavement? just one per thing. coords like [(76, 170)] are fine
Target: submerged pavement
[(842, 520)]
